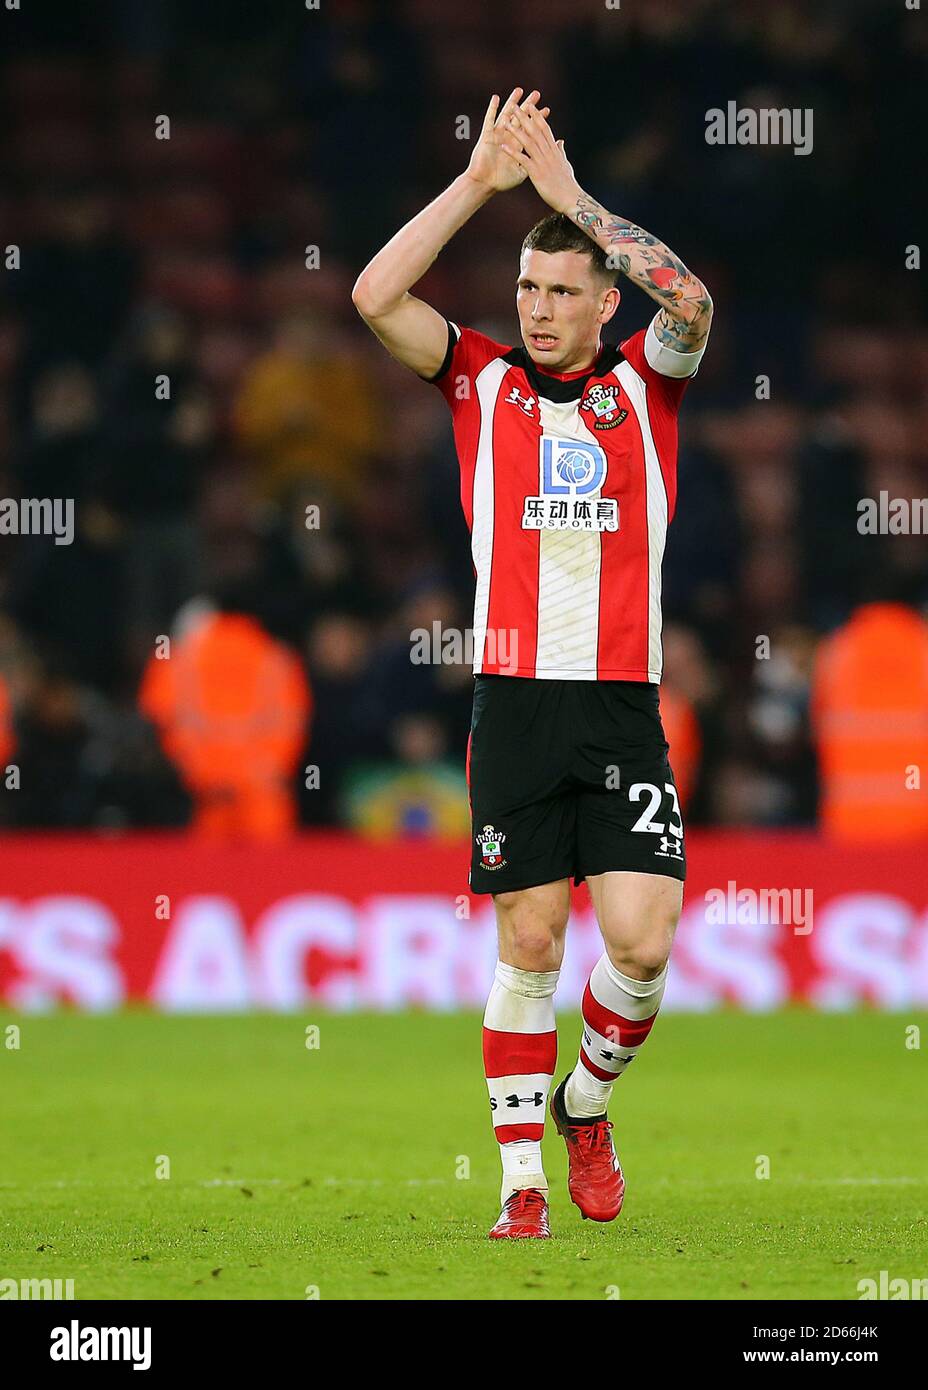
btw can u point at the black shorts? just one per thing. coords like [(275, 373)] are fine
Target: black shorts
[(566, 779)]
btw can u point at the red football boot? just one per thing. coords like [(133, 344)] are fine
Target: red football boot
[(594, 1180), (524, 1216)]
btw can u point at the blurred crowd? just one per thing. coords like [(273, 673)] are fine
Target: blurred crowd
[(266, 506)]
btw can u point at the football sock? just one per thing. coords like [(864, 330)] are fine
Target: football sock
[(618, 1013), (519, 1056)]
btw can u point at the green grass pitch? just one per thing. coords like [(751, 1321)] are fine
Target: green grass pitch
[(337, 1168)]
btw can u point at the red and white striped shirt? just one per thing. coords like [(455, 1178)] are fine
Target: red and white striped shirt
[(568, 484)]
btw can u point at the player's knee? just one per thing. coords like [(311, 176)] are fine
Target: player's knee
[(531, 949), (642, 961), (531, 935), (642, 949)]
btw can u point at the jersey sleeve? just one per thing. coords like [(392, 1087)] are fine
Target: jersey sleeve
[(667, 372), (467, 354)]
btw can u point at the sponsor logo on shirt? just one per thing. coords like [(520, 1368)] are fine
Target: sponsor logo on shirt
[(572, 474)]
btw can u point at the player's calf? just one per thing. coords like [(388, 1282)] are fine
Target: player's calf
[(618, 1015)]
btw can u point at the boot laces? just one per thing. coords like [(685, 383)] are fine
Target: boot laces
[(595, 1141), (524, 1200)]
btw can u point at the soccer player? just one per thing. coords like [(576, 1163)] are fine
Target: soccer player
[(567, 451)]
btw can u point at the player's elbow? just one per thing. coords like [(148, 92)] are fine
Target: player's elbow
[(361, 297), (365, 300), (701, 307), (708, 306), (694, 314)]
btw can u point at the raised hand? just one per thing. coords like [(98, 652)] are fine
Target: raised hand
[(491, 163), (530, 143)]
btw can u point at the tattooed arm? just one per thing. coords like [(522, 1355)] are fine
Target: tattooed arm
[(685, 306)]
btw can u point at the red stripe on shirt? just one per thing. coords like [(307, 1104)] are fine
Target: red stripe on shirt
[(512, 612)]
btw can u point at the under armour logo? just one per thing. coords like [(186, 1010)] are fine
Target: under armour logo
[(526, 403), (670, 845), (513, 1102), (617, 1057)]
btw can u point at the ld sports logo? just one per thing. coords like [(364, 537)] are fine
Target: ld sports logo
[(491, 848), (606, 409), (571, 477)]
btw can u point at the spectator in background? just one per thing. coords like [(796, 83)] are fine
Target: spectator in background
[(420, 792), (700, 579), (689, 699), (74, 288), (834, 555), (419, 668), (61, 452), (82, 760), (231, 705), (71, 599), (870, 723), (318, 562), (61, 732), (157, 448), (244, 545), (305, 412), (777, 726), (339, 655)]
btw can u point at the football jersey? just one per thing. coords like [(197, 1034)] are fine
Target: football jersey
[(568, 484)]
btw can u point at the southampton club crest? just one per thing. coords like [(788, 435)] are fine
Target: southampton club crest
[(606, 410), (491, 848)]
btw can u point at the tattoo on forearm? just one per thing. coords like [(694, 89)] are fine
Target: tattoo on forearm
[(678, 334), (686, 308), (586, 215), (618, 230)]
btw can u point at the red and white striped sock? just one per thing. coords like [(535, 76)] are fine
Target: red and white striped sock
[(618, 1014), (519, 1056)]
